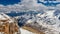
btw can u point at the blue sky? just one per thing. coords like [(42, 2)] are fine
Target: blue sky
[(51, 3), (9, 2)]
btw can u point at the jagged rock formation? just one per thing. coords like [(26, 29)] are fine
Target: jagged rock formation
[(8, 25), (46, 23)]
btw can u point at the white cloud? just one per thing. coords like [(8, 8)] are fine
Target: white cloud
[(25, 5)]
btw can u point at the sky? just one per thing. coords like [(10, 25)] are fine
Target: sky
[(12, 2), (49, 3), (9, 2), (25, 5)]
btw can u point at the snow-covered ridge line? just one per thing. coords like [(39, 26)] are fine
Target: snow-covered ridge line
[(46, 20), (4, 16)]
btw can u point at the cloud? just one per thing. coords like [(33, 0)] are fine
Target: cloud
[(24, 5)]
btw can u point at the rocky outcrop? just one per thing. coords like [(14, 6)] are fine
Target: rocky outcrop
[(8, 25)]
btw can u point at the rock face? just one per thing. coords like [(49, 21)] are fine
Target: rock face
[(8, 25), (46, 23)]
